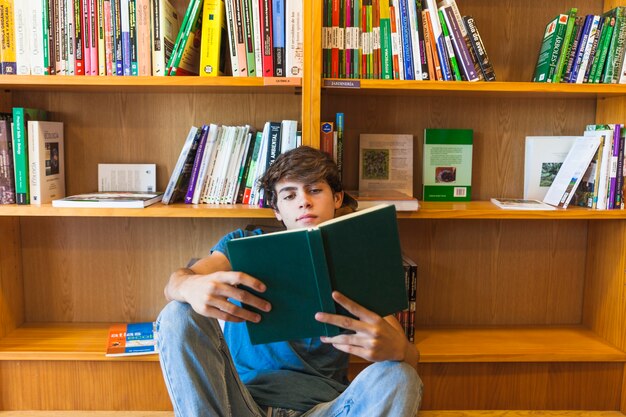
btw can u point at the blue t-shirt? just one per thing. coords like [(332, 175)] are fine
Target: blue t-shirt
[(297, 374)]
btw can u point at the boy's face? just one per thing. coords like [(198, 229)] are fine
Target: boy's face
[(305, 205)]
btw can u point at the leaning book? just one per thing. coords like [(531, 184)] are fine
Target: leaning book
[(119, 199), (357, 254), (132, 339)]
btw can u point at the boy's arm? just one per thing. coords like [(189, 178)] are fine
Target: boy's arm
[(209, 285)]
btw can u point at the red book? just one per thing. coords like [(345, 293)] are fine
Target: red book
[(334, 52), (267, 51)]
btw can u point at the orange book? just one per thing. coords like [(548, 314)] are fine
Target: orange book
[(127, 339), (428, 32)]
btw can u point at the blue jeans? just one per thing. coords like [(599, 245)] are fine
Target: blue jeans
[(202, 380)]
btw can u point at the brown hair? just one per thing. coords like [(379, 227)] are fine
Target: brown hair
[(303, 164)]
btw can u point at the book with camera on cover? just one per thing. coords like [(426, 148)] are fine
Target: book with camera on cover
[(357, 254), (130, 339), (447, 164), (386, 163)]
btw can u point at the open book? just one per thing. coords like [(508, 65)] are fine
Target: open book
[(357, 254)]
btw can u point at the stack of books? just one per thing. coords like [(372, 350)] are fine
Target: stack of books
[(583, 49), (402, 40)]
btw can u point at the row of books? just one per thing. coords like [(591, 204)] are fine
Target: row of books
[(406, 317), (31, 157), (584, 49), (402, 40), (221, 164), (148, 37), (592, 174)]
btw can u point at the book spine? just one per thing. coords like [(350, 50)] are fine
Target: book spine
[(619, 194), (158, 53), (415, 43), (251, 172), (245, 168), (208, 160), (386, 53), (576, 38), (242, 57), (125, 25), (79, 61), (100, 38), (211, 40), (603, 49), (294, 41), (232, 37), (446, 51), (178, 169), (479, 49), (132, 37), (255, 24), (580, 49), (376, 69), (267, 51), (567, 41), (8, 50), (326, 37), (248, 30), (431, 53), (20, 153), (33, 163), (22, 28), (348, 37), (395, 42), (467, 65), (7, 175), (584, 60), (108, 39), (143, 37), (278, 37), (422, 62), (93, 36), (594, 55), (35, 37), (171, 62), (407, 49), (70, 41), (86, 13), (193, 178), (341, 37), (356, 33), (117, 39)]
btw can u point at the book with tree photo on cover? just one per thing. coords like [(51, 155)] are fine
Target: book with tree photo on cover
[(357, 254)]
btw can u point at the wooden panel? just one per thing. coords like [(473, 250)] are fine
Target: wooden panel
[(312, 74), (146, 127), (500, 126), (497, 272), (605, 287), (611, 110), (39, 385), (11, 282), (528, 386), (623, 407), (94, 270)]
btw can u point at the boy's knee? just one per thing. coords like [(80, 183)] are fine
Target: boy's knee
[(394, 373), (174, 319)]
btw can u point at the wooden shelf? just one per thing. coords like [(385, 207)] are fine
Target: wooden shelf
[(474, 89), (428, 210), (69, 341), (422, 413), (146, 84)]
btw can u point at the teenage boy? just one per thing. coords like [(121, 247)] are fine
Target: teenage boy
[(213, 373)]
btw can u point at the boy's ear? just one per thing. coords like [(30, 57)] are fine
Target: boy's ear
[(278, 216), (338, 199)]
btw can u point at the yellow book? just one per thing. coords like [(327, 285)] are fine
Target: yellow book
[(9, 64), (212, 49)]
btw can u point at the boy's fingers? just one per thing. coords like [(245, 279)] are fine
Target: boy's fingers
[(244, 297), (241, 278), (355, 308)]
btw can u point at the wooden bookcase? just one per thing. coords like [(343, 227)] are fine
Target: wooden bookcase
[(515, 310)]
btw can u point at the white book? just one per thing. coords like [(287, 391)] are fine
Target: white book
[(224, 160), (60, 57), (211, 169), (566, 181), (593, 31), (120, 199), (127, 177), (260, 166), (415, 44), (246, 150), (294, 38), (288, 130), (35, 38), (605, 164), (386, 162), (180, 164), (232, 37), (46, 161), (165, 27), (521, 204), (622, 75), (542, 159), (399, 39), (70, 38), (235, 165), (256, 30), (207, 158), (21, 25)]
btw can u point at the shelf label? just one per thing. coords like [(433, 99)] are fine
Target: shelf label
[(342, 83), (294, 81)]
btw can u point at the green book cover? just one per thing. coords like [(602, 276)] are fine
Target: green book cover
[(194, 11), (192, 5), (446, 35), (550, 48), (615, 52), (603, 49), (385, 41), (357, 254), (21, 116), (567, 39), (447, 164)]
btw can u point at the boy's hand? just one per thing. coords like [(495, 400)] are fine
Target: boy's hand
[(374, 339), (209, 295)]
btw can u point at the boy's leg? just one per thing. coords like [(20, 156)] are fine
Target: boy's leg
[(198, 370), (380, 390)]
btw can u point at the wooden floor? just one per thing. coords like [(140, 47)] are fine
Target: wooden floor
[(430, 413)]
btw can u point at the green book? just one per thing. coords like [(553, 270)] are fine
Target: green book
[(357, 254), (456, 73), (616, 47), (564, 49), (385, 41), (194, 10), (550, 49), (21, 116), (447, 164), (603, 49)]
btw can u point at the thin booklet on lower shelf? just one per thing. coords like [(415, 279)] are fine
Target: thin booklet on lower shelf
[(109, 199), (131, 339), (357, 254)]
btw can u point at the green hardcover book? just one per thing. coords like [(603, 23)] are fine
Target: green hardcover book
[(550, 49), (567, 39), (21, 116), (357, 254), (447, 164), (616, 47), (456, 73), (385, 41), (194, 10), (603, 49), (249, 27)]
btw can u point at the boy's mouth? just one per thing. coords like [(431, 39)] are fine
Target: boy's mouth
[(306, 217)]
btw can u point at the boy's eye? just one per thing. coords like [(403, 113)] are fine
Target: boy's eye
[(289, 196), (316, 190)]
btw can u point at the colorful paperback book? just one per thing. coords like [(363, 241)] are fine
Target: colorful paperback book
[(120, 199), (550, 49), (520, 204), (7, 175), (357, 254), (128, 339), (447, 165), (386, 162)]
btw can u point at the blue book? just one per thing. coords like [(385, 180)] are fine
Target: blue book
[(125, 22), (193, 179), (132, 339), (580, 48), (278, 37), (407, 53)]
